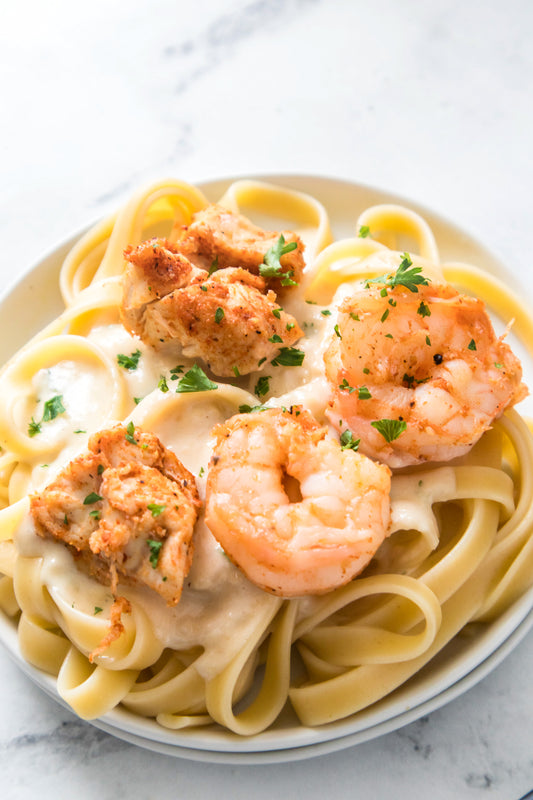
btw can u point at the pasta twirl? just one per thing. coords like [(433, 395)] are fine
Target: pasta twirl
[(459, 548)]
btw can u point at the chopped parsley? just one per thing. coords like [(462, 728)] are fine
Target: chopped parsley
[(214, 265), (406, 275), (100, 468), (130, 362), (348, 442), (423, 309), (288, 357), (34, 428), (271, 266), (345, 386), (155, 550), (246, 409), (98, 610), (277, 312), (498, 365), (219, 315), (364, 231), (385, 315), (92, 498), (163, 385), (472, 345), (130, 430), (178, 370), (337, 331), (354, 316), (428, 341), (326, 312), (363, 393), (390, 429), (275, 339), (156, 509), (95, 513), (52, 408), (262, 386), (236, 371), (195, 380)]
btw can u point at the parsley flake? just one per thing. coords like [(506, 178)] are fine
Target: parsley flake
[(348, 442), (130, 430), (262, 386), (130, 362), (363, 393), (219, 315), (423, 309), (385, 315), (156, 509), (246, 409), (195, 380), (34, 428), (390, 429), (472, 345), (364, 231), (53, 407), (326, 312), (275, 339), (155, 551), (98, 610), (406, 275), (92, 498), (271, 266), (214, 265), (163, 385), (345, 386), (288, 357), (277, 312), (337, 331)]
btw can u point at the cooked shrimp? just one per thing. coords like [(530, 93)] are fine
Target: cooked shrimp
[(126, 508), (293, 509), (231, 240), (418, 374), (229, 319)]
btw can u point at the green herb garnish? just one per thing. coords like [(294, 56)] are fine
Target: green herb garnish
[(271, 266), (288, 357), (155, 509), (130, 362), (92, 498), (155, 550), (406, 275), (348, 442), (262, 386), (195, 380), (390, 429)]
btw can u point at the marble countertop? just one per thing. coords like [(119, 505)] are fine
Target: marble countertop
[(432, 101)]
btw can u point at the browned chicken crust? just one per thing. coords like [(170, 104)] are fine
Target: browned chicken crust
[(234, 241), (228, 319), (126, 508)]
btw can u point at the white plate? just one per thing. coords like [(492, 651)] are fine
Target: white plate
[(465, 661)]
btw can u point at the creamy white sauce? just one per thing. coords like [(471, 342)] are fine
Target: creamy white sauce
[(218, 606)]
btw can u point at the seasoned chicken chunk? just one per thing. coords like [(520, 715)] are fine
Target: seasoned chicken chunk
[(126, 508), (231, 240), (228, 319)]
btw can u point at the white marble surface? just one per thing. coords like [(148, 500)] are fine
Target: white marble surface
[(430, 100)]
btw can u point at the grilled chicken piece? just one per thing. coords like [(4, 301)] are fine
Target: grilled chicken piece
[(227, 319), (126, 508), (231, 240)]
